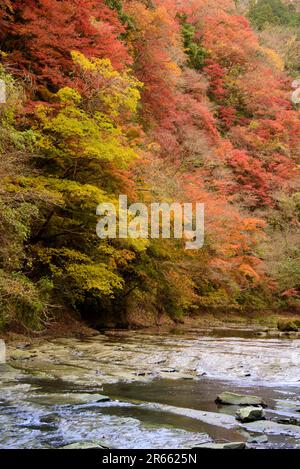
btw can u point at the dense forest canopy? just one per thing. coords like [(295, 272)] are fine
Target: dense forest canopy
[(263, 12), (165, 100)]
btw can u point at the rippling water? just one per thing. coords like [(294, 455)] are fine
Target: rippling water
[(162, 390)]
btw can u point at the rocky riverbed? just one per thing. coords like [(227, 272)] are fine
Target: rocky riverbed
[(140, 390)]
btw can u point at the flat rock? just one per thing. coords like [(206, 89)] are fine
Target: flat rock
[(67, 398), (212, 418), (90, 444), (235, 445), (250, 414), (231, 398), (259, 439), (273, 428), (289, 421), (288, 404)]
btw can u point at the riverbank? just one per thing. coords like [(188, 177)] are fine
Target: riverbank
[(69, 326), (135, 389)]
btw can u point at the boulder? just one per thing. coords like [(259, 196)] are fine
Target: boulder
[(50, 418), (250, 414), (285, 325), (235, 445), (231, 398)]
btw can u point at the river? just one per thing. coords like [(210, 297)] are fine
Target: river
[(134, 389)]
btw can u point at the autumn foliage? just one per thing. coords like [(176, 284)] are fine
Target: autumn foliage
[(44, 33), (164, 100)]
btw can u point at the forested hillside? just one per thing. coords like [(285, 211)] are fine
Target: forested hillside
[(162, 100)]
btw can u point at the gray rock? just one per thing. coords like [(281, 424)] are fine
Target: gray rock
[(289, 421), (67, 398), (89, 444), (235, 445), (250, 414), (212, 418), (288, 405), (259, 439), (273, 428), (50, 418), (231, 398)]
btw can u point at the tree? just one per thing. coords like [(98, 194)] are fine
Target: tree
[(203, 115), (52, 29), (6, 11), (265, 12), (156, 44), (23, 302), (286, 42), (238, 44), (196, 53)]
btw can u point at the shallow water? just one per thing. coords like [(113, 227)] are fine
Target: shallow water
[(162, 390)]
